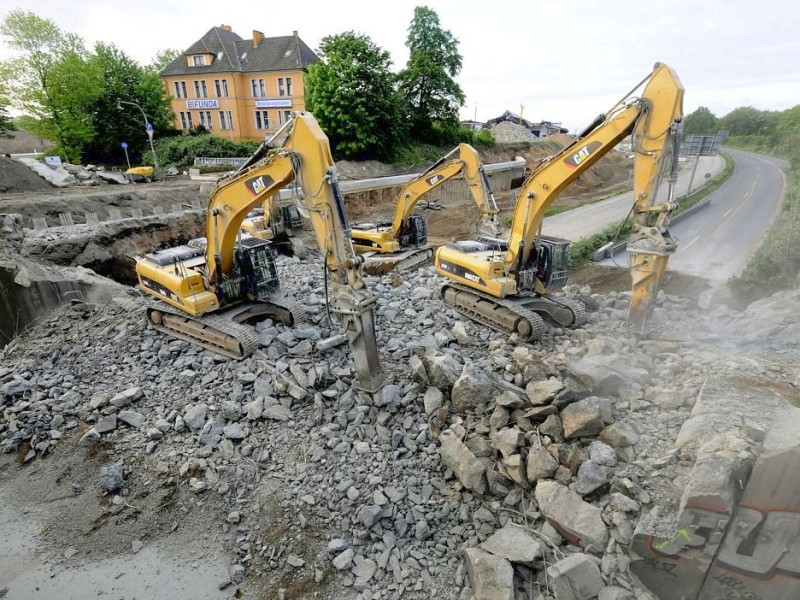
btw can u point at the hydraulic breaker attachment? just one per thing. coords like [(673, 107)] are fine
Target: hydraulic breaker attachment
[(647, 270), (355, 308)]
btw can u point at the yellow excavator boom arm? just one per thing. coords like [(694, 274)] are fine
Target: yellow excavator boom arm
[(304, 158), (467, 162)]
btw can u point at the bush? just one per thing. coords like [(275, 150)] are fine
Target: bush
[(484, 137), (181, 151)]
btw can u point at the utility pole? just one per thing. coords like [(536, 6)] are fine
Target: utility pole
[(147, 126), (521, 110)]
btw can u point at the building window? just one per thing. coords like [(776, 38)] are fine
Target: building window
[(284, 86), (200, 89), (205, 119), (180, 89), (259, 88), (225, 119), (284, 116), (199, 60), (262, 119), (189, 120), (183, 120), (221, 86)]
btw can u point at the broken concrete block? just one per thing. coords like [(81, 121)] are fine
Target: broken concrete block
[(491, 577), (127, 397), (514, 544), (443, 370), (543, 392), (577, 577), (541, 464), (515, 467), (671, 554), (619, 435), (506, 441), (578, 521), (472, 388), (586, 417), (470, 471), (759, 556)]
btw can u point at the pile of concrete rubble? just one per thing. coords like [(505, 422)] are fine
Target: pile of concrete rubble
[(486, 468)]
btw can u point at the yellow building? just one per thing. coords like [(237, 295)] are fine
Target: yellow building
[(237, 88)]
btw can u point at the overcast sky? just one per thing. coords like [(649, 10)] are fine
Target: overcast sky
[(566, 61)]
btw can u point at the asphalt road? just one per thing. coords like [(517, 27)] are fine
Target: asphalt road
[(716, 242), (593, 218)]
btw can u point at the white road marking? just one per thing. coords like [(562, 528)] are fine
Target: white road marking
[(727, 212), (686, 247)]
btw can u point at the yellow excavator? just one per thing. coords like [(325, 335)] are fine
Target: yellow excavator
[(212, 289), (275, 220), (508, 284), (403, 242)]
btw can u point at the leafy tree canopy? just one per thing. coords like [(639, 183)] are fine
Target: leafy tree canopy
[(701, 121), (351, 93), (427, 83)]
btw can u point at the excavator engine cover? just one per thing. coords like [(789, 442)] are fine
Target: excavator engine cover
[(254, 276), (416, 234)]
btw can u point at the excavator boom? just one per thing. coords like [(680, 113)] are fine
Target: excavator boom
[(407, 233), (503, 282), (229, 277)]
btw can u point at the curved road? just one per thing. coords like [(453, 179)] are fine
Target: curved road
[(716, 242), (590, 219)]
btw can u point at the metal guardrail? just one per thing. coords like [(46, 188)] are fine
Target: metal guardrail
[(611, 249), (364, 185), (204, 161)]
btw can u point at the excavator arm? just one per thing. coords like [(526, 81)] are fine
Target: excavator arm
[(467, 162), (525, 262), (402, 243), (237, 270)]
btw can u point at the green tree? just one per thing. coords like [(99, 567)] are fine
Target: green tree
[(747, 120), (124, 80), (6, 124), (163, 58), (701, 121), (350, 92), (427, 83), (51, 80)]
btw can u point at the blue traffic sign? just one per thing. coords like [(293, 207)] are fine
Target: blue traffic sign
[(149, 127), (124, 145)]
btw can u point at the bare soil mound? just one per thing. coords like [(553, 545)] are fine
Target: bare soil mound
[(16, 177)]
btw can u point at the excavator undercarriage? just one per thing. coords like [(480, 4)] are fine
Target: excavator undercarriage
[(526, 312)]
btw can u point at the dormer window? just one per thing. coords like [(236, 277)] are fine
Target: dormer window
[(199, 60)]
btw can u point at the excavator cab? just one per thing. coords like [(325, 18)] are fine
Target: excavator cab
[(414, 234), (552, 261), (254, 276)]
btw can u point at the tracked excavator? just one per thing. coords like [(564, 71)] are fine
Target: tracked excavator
[(211, 290), (402, 243), (509, 284), (274, 220)]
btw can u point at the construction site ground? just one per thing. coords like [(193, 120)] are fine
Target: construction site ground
[(186, 524)]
